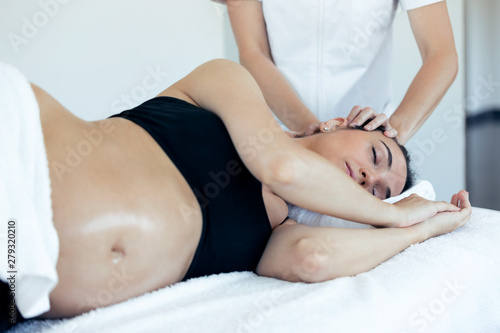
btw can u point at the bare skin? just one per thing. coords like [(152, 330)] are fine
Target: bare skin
[(117, 209)]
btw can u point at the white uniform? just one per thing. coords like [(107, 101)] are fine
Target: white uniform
[(335, 53)]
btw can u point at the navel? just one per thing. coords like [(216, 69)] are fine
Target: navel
[(117, 254)]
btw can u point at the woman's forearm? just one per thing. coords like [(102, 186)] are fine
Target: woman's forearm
[(329, 253), (279, 95), (312, 182), (338, 252)]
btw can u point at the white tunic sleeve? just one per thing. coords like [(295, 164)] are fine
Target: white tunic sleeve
[(412, 4)]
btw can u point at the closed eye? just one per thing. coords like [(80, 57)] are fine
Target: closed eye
[(374, 155)]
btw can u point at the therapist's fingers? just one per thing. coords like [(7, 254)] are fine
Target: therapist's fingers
[(359, 116), (363, 116), (392, 133), (312, 129), (381, 121), (353, 114)]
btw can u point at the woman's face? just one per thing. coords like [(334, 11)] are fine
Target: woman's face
[(369, 158)]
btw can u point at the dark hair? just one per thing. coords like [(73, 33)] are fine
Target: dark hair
[(410, 173)]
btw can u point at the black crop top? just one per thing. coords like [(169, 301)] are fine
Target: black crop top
[(235, 223)]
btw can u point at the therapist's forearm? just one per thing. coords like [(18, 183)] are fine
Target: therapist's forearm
[(424, 94), (279, 95)]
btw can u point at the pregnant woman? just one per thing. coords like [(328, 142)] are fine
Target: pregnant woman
[(195, 182)]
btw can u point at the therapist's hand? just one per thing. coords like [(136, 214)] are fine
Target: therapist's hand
[(359, 116)]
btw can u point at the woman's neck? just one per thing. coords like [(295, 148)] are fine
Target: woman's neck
[(308, 142)]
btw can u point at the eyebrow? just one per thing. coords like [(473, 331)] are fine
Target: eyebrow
[(388, 153), (389, 164)]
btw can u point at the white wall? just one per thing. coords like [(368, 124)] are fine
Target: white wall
[(95, 57)]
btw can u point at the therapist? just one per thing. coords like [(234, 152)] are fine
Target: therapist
[(315, 59)]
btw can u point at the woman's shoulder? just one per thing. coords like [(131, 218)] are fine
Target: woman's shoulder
[(174, 91)]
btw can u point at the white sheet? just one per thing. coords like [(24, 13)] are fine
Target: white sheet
[(25, 196), (446, 284)]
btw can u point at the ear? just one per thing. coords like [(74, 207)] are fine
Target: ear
[(333, 124)]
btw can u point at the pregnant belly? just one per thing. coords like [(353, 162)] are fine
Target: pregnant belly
[(121, 222), (117, 256)]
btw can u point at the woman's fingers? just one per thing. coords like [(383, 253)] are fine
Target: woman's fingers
[(416, 209), (444, 206), (463, 198), (466, 202), (446, 221), (462, 201), (466, 208)]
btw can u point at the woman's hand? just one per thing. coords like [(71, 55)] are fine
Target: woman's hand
[(415, 209), (359, 116), (445, 222)]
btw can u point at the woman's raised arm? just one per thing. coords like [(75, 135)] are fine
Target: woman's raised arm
[(296, 174)]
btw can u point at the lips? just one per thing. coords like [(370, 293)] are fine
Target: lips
[(350, 172)]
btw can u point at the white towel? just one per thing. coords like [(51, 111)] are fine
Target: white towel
[(446, 284), (25, 196), (422, 187)]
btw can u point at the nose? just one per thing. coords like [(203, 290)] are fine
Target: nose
[(367, 178)]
